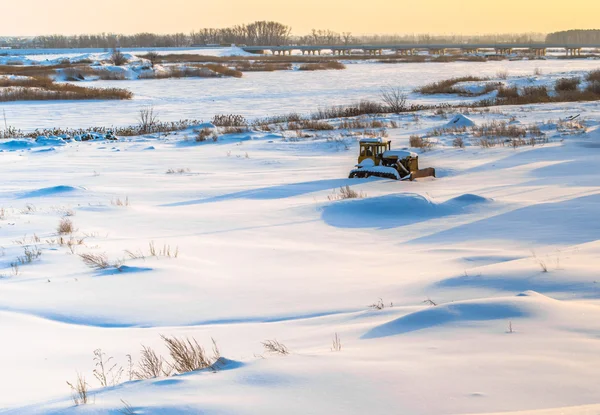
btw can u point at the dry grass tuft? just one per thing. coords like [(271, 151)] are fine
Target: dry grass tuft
[(96, 261), (458, 142), (417, 141), (229, 120), (447, 86), (593, 76), (189, 356), (322, 66), (273, 346), (65, 227), (346, 192), (567, 84), (336, 344), (205, 134), (79, 390), (151, 365), (178, 171)]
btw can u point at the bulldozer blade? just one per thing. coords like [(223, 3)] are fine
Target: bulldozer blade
[(428, 172)]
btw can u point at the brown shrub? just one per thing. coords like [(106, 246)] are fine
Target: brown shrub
[(567, 84), (593, 87), (447, 86), (223, 70), (417, 141), (246, 66), (41, 89), (229, 120), (593, 76), (65, 227), (508, 92), (323, 66)]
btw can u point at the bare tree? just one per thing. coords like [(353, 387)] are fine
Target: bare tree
[(147, 119), (347, 37), (117, 57), (394, 99), (153, 57)]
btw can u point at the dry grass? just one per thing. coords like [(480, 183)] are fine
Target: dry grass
[(498, 129), (79, 390), (508, 92), (45, 89), (447, 86), (106, 372), (567, 84), (178, 171), (204, 134), (322, 66), (593, 76), (165, 251), (127, 408), (195, 71), (79, 73), (345, 111), (151, 365), (416, 141), (458, 142), (30, 254), (65, 227), (189, 356), (247, 66), (223, 70), (311, 125), (346, 192), (593, 88), (96, 261), (119, 202), (336, 343), (273, 346), (229, 120)]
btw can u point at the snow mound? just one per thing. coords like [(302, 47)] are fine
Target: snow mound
[(394, 210), (525, 305), (460, 120), (13, 145), (51, 191)]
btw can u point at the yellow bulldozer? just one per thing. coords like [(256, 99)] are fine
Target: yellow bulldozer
[(376, 158)]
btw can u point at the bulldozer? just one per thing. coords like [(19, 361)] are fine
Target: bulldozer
[(376, 158)]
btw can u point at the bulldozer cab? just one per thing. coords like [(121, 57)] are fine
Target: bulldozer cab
[(373, 149)]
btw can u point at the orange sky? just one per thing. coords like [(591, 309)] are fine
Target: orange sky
[(35, 17)]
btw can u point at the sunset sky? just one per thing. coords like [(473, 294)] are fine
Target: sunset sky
[(36, 17)]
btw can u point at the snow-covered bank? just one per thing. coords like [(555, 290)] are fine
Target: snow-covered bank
[(505, 242)]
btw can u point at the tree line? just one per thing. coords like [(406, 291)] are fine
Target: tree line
[(577, 37), (270, 33), (257, 33)]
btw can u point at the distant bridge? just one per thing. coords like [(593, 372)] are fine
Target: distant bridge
[(538, 49)]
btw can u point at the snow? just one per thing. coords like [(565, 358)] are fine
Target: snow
[(460, 120), (376, 140), (401, 154), (265, 252)]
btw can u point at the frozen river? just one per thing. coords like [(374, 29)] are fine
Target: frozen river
[(260, 94)]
